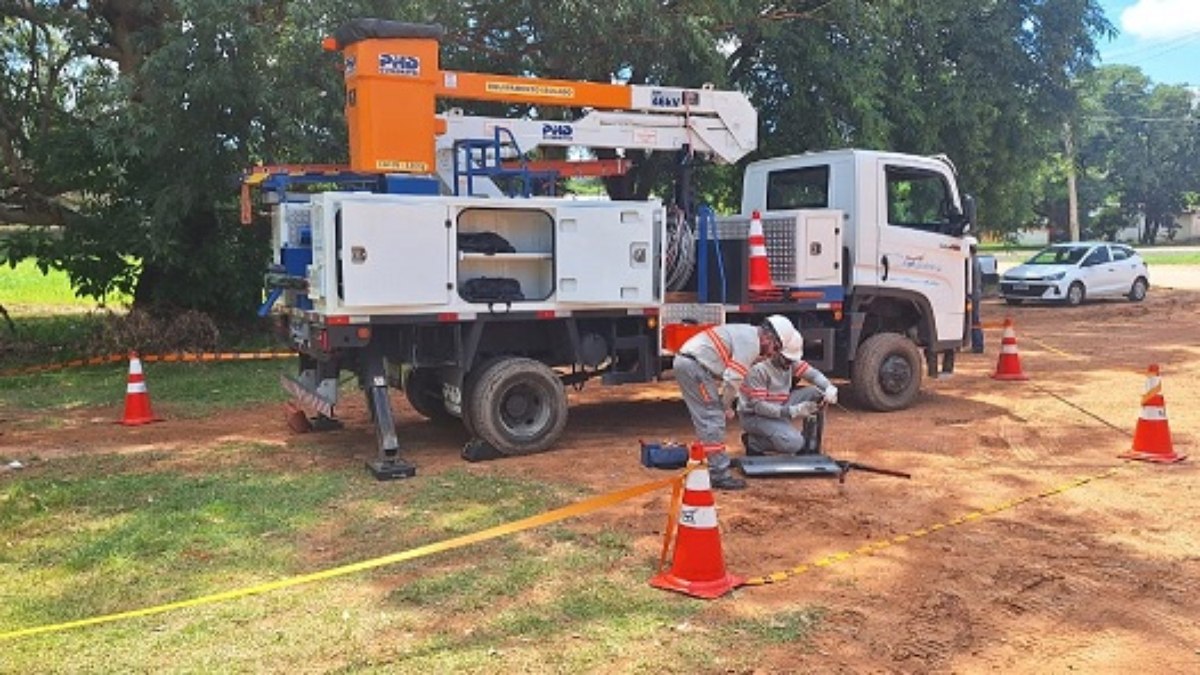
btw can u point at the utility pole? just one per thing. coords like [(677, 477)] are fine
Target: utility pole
[(1072, 194)]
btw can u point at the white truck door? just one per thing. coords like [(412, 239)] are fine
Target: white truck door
[(394, 254), (915, 250), (604, 253)]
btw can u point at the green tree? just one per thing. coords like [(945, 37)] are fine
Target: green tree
[(124, 124), (127, 124), (988, 83), (1141, 143)]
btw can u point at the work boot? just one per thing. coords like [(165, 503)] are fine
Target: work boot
[(728, 481)]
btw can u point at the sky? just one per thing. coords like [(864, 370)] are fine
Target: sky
[(1162, 37)]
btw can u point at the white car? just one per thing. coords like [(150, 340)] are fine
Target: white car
[(1068, 273)]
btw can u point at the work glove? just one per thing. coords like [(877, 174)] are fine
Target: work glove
[(802, 409), (831, 395)]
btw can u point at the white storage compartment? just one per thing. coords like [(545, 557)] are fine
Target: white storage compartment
[(487, 276)]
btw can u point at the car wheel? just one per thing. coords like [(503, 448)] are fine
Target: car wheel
[(1012, 301), (1075, 294), (1137, 292)]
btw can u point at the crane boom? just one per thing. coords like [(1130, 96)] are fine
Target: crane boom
[(393, 81)]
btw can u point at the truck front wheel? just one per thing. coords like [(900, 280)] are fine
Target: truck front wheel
[(516, 405), (887, 372)]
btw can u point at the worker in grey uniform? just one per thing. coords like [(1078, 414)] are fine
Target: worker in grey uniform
[(710, 368), (976, 297), (770, 402)]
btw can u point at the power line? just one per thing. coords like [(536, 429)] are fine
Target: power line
[(1154, 120)]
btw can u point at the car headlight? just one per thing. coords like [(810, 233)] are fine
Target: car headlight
[(1057, 276)]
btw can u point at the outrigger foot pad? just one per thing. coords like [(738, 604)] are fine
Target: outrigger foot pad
[(391, 469)]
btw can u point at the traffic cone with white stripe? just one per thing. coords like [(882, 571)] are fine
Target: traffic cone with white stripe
[(1152, 436), (698, 564), (137, 399), (760, 284), (1008, 367)]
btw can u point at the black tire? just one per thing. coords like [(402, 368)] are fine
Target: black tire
[(1075, 294), (469, 382), (423, 389), (1013, 301), (1137, 292), (517, 405), (887, 372)]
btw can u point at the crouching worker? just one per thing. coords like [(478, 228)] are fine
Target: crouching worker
[(770, 402), (710, 368)]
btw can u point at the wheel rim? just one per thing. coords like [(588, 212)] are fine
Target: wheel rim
[(524, 411), (1139, 290), (895, 374), (1075, 294)]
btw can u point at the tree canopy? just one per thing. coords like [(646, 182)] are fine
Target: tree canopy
[(125, 124)]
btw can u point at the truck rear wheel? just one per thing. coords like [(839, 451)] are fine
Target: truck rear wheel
[(423, 389), (517, 405), (887, 372)]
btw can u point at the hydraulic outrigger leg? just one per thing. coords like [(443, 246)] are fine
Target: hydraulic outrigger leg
[(373, 379)]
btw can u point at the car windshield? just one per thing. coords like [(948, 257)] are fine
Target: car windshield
[(1059, 255)]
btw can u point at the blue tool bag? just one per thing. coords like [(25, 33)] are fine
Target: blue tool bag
[(664, 455)]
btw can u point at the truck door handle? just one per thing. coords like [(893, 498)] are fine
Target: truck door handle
[(884, 262)]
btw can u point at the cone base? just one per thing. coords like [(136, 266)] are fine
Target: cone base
[(1158, 458), (705, 590), (138, 421), (1011, 377)]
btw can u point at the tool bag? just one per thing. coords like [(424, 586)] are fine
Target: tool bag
[(664, 455), (483, 242), (491, 289)]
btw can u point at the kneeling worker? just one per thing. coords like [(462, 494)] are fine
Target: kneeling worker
[(710, 368), (768, 402)]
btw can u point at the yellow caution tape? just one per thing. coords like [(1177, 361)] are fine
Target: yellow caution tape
[(870, 548), (578, 508), (181, 357)]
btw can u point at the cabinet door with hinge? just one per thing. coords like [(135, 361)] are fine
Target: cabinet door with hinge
[(393, 254), (604, 253)]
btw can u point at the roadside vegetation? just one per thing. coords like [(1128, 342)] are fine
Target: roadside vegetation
[(98, 533)]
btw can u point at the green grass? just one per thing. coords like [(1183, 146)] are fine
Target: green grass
[(108, 533), (25, 285), (182, 390), (1158, 257)]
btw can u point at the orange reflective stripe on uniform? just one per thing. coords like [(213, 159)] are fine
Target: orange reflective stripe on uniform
[(723, 351), (800, 369), (763, 394)]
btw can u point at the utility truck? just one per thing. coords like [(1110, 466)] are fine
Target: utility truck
[(431, 266)]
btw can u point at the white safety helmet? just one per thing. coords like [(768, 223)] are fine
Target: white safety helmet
[(793, 348), (784, 330)]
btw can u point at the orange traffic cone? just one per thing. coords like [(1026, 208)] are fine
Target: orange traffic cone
[(760, 284), (1008, 367), (698, 566), (1152, 436), (137, 399)]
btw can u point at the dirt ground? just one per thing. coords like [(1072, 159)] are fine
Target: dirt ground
[(1102, 576)]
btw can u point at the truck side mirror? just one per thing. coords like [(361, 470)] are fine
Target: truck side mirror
[(961, 221), (968, 211)]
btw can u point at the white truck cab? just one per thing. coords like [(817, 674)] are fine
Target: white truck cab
[(905, 263)]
